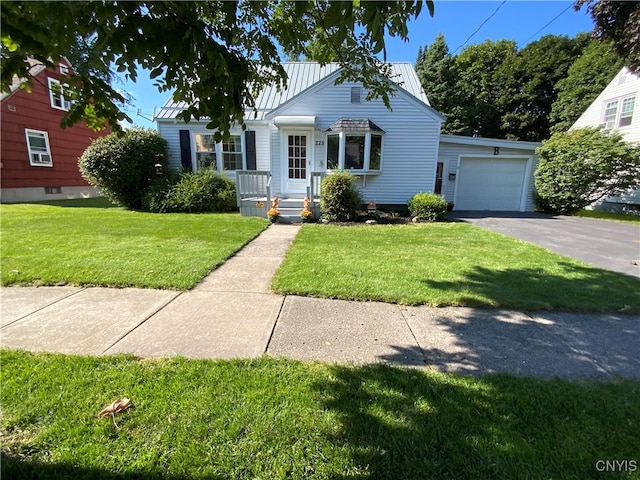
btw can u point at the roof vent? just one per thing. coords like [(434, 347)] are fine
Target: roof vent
[(355, 94)]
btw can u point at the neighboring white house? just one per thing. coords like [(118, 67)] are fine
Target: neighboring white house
[(617, 108), (315, 127)]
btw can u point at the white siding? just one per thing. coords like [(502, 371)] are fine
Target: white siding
[(410, 142), (623, 85), (450, 154)]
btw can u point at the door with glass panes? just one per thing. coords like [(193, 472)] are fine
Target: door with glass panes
[(296, 161)]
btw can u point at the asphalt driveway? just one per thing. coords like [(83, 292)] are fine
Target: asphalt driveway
[(610, 245)]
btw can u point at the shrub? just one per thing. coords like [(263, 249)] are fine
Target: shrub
[(428, 206), (580, 167), (204, 191), (339, 198), (122, 165)]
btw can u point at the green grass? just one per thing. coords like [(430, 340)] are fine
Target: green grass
[(70, 243), (273, 419), (616, 217), (446, 264)]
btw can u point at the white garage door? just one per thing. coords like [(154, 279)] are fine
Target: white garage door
[(490, 184)]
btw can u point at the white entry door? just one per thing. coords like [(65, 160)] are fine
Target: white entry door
[(296, 161)]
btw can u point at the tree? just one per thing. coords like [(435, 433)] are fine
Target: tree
[(480, 85), (436, 69), (215, 56), (587, 77), (583, 166), (529, 79), (618, 22)]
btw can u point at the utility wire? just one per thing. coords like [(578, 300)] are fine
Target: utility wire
[(549, 23), (481, 25)]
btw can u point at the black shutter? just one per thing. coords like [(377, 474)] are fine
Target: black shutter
[(250, 145), (185, 150)]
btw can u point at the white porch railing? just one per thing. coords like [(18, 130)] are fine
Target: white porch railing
[(314, 186), (253, 191)]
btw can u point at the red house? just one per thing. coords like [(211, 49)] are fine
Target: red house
[(38, 158)]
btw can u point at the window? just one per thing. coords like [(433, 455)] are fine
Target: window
[(359, 152), (618, 112), (56, 95), (64, 70), (439, 174), (610, 112), (205, 152), (356, 95), (232, 153), (208, 151), (626, 112), (38, 146)]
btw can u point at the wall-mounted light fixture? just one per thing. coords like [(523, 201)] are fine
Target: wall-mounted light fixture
[(452, 177)]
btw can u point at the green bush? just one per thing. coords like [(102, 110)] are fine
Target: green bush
[(583, 166), (122, 166), (204, 191), (339, 199), (428, 206)]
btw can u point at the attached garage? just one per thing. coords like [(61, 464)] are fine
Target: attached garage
[(487, 174), (496, 184)]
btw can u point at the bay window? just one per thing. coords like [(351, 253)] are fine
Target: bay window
[(354, 145)]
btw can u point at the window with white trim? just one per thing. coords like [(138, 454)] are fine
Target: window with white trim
[(225, 155), (626, 112), (618, 112), (56, 95), (64, 70), (610, 113), (38, 146), (359, 152)]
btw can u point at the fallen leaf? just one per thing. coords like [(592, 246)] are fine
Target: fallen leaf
[(120, 405)]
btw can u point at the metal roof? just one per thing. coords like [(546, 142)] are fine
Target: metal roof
[(302, 76)]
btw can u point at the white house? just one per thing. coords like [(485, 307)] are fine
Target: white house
[(617, 108), (315, 127)]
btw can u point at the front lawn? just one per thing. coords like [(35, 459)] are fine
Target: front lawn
[(446, 264), (274, 419), (68, 243), (615, 217)]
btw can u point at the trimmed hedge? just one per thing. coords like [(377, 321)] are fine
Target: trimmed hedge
[(122, 165), (428, 206), (339, 199)]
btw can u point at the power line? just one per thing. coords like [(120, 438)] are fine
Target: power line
[(481, 25), (546, 25)]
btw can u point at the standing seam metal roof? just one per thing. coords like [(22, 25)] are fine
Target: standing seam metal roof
[(304, 75)]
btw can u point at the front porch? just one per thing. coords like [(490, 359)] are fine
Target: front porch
[(255, 194)]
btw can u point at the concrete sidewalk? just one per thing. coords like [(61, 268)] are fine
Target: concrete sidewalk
[(232, 314)]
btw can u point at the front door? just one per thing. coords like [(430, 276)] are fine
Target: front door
[(296, 161)]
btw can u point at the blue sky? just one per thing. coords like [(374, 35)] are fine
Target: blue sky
[(522, 21)]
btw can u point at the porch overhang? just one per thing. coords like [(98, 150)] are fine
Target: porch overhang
[(294, 121)]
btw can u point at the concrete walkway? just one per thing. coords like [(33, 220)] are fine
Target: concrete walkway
[(232, 314)]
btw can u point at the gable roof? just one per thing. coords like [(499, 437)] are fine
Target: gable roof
[(303, 76), (36, 67)]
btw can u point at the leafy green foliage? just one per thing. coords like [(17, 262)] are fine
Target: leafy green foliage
[(438, 73), (494, 90), (619, 23), (339, 198), (428, 206), (586, 78), (203, 191), (214, 56), (529, 84), (123, 166), (583, 166)]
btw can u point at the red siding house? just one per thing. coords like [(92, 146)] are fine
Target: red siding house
[(39, 159)]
